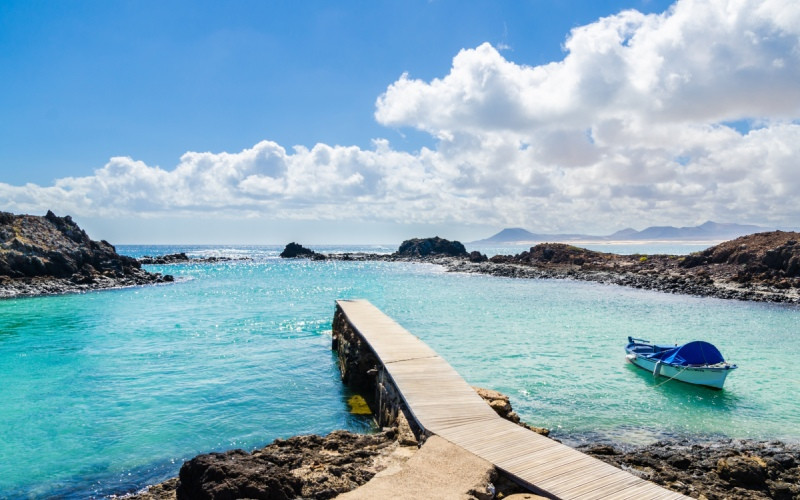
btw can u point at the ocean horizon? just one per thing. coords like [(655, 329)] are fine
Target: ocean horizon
[(109, 391)]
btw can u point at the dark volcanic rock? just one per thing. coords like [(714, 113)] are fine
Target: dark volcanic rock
[(171, 258), (298, 467), (51, 254), (236, 474), (295, 250), (423, 247), (178, 258), (716, 470), (476, 256)]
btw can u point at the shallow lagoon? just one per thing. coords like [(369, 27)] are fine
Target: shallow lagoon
[(107, 391)]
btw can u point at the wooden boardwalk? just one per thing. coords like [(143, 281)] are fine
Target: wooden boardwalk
[(442, 403)]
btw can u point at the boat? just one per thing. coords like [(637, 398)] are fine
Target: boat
[(696, 362)]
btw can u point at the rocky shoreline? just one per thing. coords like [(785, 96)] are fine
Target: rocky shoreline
[(323, 467), (309, 467), (52, 255), (763, 267), (714, 470)]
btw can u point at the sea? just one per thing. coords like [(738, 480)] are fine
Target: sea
[(103, 393)]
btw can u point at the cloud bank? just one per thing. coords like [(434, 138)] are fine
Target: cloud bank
[(681, 117)]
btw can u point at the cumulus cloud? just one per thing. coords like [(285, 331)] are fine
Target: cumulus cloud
[(634, 126)]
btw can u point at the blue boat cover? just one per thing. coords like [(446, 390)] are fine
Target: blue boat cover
[(693, 353)]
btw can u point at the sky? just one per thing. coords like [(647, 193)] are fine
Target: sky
[(257, 122)]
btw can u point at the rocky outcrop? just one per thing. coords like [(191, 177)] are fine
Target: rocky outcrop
[(298, 467), (476, 256), (501, 404), (423, 247), (772, 256), (295, 250), (723, 469), (51, 254)]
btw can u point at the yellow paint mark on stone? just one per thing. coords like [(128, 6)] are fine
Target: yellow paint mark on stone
[(358, 406)]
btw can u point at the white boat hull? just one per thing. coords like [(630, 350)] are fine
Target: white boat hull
[(709, 376)]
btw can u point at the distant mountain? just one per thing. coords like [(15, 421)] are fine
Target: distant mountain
[(517, 235), (704, 232), (623, 234)]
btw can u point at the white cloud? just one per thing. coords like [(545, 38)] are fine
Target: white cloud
[(627, 130)]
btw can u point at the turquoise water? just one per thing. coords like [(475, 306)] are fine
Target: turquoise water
[(105, 392)]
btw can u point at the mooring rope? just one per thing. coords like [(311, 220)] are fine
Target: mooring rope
[(672, 377)]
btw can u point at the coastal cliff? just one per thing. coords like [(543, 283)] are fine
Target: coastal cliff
[(51, 254)]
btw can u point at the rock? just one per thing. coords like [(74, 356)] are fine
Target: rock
[(500, 407), (784, 460), (559, 253), (298, 467), (681, 462), (161, 491), (716, 469), (171, 258), (501, 404), (235, 474), (601, 449), (422, 247), (51, 254), (745, 471), (295, 250), (775, 251), (476, 256), (783, 490)]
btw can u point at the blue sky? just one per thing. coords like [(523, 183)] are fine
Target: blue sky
[(85, 83)]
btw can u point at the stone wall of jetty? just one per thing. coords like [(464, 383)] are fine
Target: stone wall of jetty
[(363, 371)]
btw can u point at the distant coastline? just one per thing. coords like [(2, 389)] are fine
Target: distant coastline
[(603, 242), (762, 267), (711, 232)]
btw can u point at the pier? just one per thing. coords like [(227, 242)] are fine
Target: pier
[(413, 378)]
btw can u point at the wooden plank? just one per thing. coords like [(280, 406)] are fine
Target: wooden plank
[(606, 488), (564, 477), (442, 402)]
